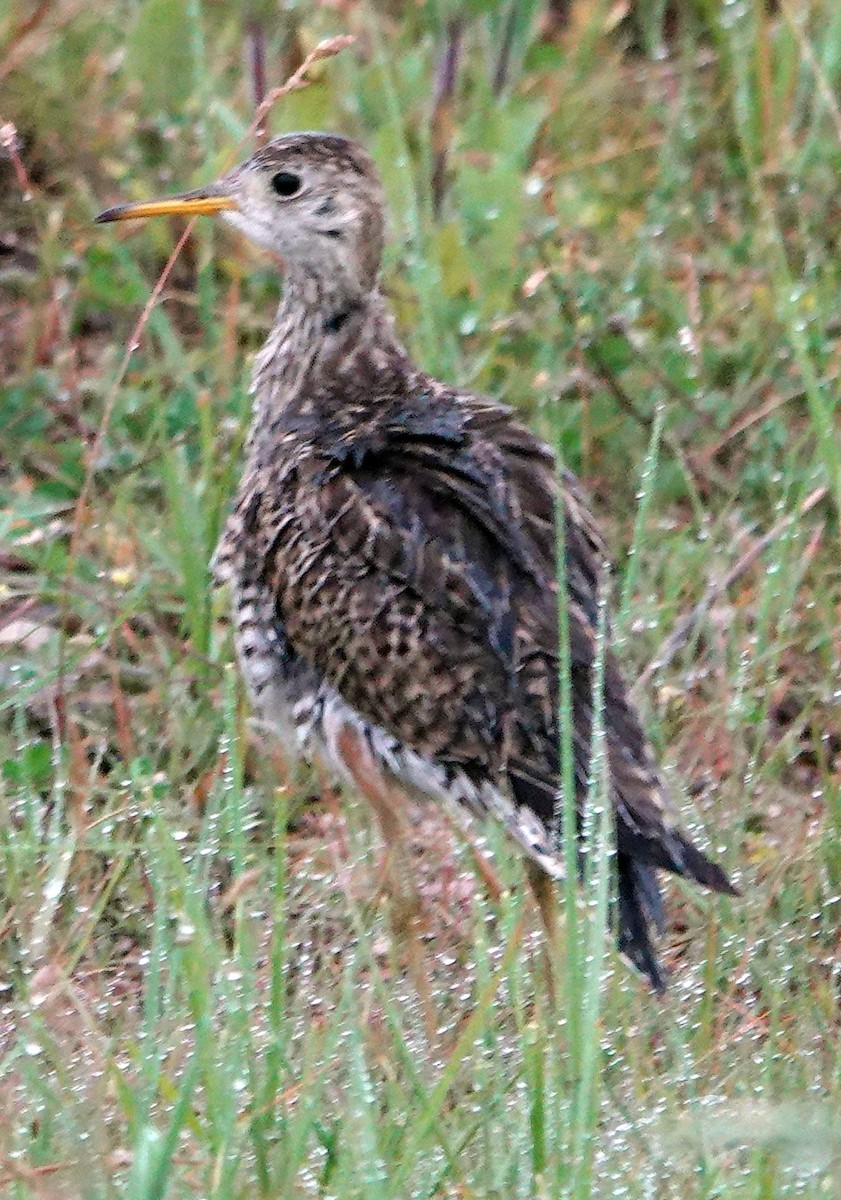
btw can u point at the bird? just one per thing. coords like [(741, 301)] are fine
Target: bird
[(392, 555)]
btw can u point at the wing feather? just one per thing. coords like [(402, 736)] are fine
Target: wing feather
[(426, 595)]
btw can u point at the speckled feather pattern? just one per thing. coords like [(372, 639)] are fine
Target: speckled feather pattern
[(392, 558)]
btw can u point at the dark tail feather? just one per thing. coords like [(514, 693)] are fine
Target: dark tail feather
[(672, 851), (695, 865), (640, 906), (641, 853)]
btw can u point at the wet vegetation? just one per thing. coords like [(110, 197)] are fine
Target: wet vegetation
[(621, 218)]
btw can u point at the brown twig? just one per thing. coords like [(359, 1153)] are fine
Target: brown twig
[(503, 59), (441, 123), (29, 23), (754, 416), (609, 154), (81, 507), (809, 56), (298, 80), (19, 34), (686, 627), (21, 1173), (255, 37)]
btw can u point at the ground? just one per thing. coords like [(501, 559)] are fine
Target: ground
[(622, 219)]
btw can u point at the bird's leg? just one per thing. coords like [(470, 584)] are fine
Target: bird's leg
[(543, 889), (389, 806), (457, 821), (368, 780)]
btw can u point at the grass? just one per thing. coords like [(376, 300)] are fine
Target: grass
[(634, 241)]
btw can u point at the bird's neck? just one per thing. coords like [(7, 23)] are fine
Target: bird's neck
[(321, 330)]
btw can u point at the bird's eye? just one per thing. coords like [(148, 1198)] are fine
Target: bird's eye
[(285, 183)]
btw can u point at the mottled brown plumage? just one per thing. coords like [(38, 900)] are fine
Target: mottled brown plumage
[(392, 553)]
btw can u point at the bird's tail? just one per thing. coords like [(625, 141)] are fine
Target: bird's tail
[(639, 908), (639, 900)]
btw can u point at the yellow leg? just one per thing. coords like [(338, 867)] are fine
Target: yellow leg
[(484, 868), (543, 890), (390, 807)]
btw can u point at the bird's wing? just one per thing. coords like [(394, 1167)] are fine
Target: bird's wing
[(420, 582), (403, 579), (414, 568)]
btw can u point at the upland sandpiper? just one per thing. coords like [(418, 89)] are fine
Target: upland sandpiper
[(392, 555)]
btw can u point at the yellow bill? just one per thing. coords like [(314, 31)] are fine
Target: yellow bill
[(205, 201)]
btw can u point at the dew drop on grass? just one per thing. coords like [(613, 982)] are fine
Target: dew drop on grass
[(53, 887), (468, 324)]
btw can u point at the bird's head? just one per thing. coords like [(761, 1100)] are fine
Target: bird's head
[(313, 198)]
